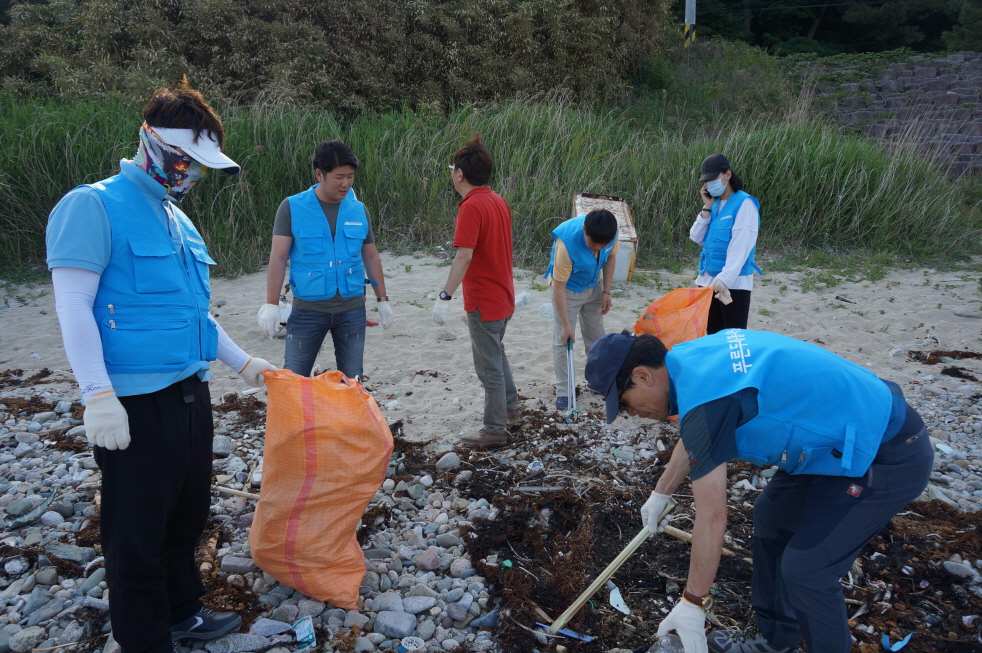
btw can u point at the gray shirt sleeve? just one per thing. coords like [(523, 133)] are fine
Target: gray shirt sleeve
[(370, 238), (283, 225)]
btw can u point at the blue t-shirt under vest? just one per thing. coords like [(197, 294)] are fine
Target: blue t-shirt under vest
[(152, 303)]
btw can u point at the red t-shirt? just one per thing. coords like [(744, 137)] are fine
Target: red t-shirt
[(484, 225)]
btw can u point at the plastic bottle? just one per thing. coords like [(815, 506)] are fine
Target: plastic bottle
[(667, 644)]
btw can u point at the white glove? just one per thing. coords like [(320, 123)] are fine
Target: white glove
[(106, 422), (650, 511), (689, 621), (720, 290), (269, 319), (385, 314), (252, 373), (440, 311)]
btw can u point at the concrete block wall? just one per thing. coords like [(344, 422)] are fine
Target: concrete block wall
[(933, 101)]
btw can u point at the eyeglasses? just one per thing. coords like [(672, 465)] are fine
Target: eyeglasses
[(452, 167)]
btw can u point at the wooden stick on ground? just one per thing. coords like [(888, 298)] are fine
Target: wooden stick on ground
[(607, 573), (238, 493), (687, 537)]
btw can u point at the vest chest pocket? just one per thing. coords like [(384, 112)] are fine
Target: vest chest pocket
[(202, 261), (354, 235), (310, 240), (155, 266)]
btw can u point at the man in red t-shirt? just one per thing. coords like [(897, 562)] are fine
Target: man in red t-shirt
[(483, 263)]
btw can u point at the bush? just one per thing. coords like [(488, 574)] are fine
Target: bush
[(347, 54), (818, 187)]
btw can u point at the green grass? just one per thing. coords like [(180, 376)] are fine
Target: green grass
[(820, 190)]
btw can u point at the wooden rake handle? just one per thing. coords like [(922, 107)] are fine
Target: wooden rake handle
[(608, 572)]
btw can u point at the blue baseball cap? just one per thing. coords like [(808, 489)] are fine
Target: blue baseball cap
[(604, 361)]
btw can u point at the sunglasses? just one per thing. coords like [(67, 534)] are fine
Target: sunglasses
[(452, 167)]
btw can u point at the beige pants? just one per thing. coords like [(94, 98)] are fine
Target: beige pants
[(586, 306)]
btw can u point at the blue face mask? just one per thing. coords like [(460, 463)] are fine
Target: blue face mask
[(715, 187)]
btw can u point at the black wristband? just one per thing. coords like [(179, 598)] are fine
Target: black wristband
[(444, 296)]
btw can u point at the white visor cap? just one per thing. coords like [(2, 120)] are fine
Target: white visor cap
[(206, 151)]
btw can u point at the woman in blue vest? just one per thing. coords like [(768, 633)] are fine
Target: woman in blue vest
[(130, 275), (841, 474), (726, 227), (325, 234)]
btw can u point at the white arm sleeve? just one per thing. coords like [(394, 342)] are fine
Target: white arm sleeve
[(229, 352), (75, 291), (742, 240), (697, 233)]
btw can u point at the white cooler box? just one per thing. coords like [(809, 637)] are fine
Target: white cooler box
[(583, 203)]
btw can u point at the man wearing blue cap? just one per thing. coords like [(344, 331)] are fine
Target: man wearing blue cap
[(851, 454)]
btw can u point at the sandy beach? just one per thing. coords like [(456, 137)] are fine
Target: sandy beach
[(873, 324)]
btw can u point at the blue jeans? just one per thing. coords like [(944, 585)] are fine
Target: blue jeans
[(306, 330)]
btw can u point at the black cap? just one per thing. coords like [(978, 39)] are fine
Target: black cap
[(712, 166), (602, 365)]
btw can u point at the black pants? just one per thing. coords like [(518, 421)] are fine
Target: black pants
[(155, 503), (729, 316), (798, 562)]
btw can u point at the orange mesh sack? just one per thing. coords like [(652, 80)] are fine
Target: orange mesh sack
[(679, 316), (327, 448)]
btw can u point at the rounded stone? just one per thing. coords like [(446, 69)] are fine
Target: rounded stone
[(52, 518), (25, 640), (417, 604)]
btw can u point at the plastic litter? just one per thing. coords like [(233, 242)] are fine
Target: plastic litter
[(887, 646), (570, 633), (616, 600), (667, 644), (304, 629), (412, 643)]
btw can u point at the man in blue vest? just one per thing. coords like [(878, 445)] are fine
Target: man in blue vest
[(325, 235), (130, 275), (850, 454), (584, 252)]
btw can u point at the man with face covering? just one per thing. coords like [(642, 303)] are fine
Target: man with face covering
[(130, 275)]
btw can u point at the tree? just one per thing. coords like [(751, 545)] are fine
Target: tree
[(967, 33), (910, 23)]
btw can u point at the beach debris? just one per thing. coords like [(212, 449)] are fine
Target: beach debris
[(616, 600), (887, 646), (304, 630), (30, 516)]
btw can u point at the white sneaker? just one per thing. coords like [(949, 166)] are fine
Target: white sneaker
[(257, 475)]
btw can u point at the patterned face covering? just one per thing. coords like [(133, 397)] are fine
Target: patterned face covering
[(173, 170)]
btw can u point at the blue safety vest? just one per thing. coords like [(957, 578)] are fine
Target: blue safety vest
[(322, 266), (717, 239), (586, 264), (818, 413), (152, 302)]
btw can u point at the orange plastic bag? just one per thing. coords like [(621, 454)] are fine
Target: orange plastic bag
[(679, 316), (327, 449)]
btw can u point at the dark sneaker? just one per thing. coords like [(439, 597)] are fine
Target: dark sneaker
[(484, 439), (562, 403), (514, 416), (206, 624), (734, 641)]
